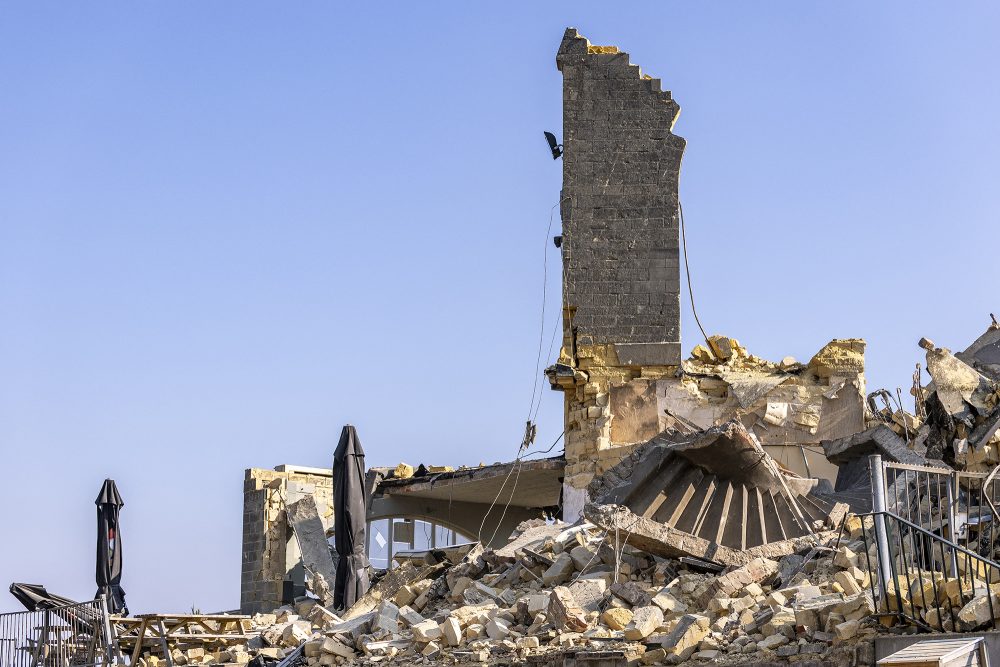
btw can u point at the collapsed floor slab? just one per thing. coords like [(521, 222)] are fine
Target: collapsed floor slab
[(714, 495)]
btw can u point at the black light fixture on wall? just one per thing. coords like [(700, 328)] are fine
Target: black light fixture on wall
[(554, 146)]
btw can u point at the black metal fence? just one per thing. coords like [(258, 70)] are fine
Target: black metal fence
[(915, 579), (934, 538), (960, 506), (76, 635)]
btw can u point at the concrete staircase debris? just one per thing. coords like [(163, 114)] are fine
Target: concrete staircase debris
[(714, 494)]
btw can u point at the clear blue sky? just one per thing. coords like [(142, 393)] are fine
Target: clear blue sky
[(228, 228)]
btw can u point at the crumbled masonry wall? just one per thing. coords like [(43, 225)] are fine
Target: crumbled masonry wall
[(791, 407), (270, 553), (620, 364), (621, 165)]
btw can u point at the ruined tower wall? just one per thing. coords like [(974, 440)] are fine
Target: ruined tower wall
[(621, 296)]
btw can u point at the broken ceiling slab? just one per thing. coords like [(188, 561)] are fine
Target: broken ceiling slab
[(303, 516), (955, 382), (750, 386), (878, 440), (984, 353), (715, 495), (851, 456), (538, 483)]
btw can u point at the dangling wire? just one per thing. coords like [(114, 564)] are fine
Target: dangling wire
[(687, 270)]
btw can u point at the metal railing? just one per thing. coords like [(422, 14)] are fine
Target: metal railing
[(75, 635), (960, 506), (913, 579), (934, 540)]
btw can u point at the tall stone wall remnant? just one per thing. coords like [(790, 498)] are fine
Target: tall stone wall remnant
[(621, 301)]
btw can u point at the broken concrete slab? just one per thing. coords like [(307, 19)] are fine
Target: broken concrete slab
[(303, 517), (714, 495)]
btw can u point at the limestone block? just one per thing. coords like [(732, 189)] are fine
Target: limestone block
[(564, 612), (772, 642), (527, 642), (452, 631), (334, 647), (845, 558), (617, 618), (296, 632), (847, 629), (670, 605), (497, 629), (645, 620), (685, 635), (847, 582), (559, 571), (426, 631)]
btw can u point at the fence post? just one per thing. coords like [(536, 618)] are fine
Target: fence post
[(953, 493), (110, 641), (878, 508)]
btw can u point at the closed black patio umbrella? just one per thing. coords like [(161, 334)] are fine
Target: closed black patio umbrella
[(109, 548), (349, 516)]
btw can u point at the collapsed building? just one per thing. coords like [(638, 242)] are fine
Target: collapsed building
[(712, 507)]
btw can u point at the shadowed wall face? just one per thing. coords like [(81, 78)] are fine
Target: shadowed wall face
[(621, 168), (621, 296)]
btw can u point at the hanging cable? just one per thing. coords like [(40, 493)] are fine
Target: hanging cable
[(687, 270), (541, 333)]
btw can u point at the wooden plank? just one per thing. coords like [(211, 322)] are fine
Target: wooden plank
[(936, 653)]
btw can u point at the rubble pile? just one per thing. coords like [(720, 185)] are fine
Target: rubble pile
[(957, 416), (554, 589)]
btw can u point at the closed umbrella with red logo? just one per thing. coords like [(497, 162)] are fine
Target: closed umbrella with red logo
[(109, 548)]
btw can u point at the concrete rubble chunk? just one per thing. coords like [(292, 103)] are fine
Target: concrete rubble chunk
[(452, 631), (426, 631), (386, 618), (685, 636), (736, 580), (632, 593), (335, 647), (588, 593), (645, 620), (564, 612), (617, 618), (409, 617), (303, 516), (497, 629), (772, 642), (560, 570), (582, 557)]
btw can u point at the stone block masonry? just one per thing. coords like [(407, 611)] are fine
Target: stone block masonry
[(621, 167), (270, 554), (620, 248)]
